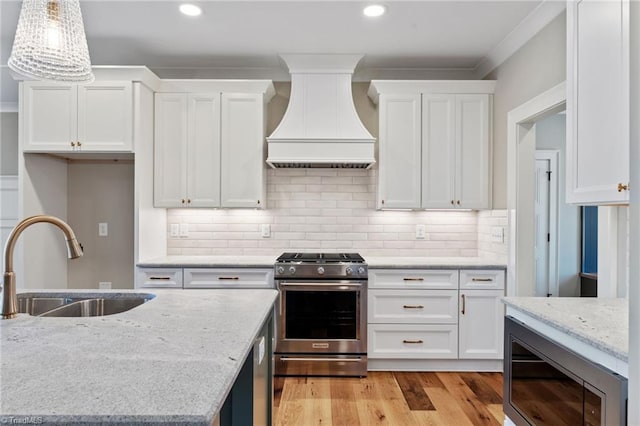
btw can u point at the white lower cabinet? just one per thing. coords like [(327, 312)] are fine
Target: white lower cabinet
[(481, 324), (436, 341), (228, 278), (422, 315), (159, 278)]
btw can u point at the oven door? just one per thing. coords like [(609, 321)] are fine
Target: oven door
[(328, 316)]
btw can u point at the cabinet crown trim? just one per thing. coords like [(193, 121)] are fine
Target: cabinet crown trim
[(402, 87)]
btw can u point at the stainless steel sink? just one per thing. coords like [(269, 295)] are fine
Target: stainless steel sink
[(79, 306)]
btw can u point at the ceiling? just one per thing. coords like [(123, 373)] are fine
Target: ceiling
[(242, 39)]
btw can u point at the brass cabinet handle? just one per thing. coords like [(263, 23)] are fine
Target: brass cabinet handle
[(228, 278), (413, 307), (160, 278), (452, 202), (183, 201), (73, 144), (78, 143), (482, 279), (464, 303), (382, 202), (416, 341), (258, 202), (413, 279), (458, 202), (188, 200), (622, 187)]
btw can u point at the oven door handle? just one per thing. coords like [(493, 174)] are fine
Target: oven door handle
[(359, 359), (341, 286)]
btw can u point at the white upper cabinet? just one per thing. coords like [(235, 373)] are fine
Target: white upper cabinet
[(187, 150), (400, 146), (209, 148), (434, 144), (60, 118), (597, 102), (243, 170)]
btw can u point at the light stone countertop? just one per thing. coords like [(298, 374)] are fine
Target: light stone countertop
[(373, 262), (433, 263), (601, 323), (172, 360)]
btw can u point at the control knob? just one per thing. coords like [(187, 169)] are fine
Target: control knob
[(292, 270), (361, 270), (349, 270), (280, 269), (320, 270)]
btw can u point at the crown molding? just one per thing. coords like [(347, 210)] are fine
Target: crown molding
[(541, 16)]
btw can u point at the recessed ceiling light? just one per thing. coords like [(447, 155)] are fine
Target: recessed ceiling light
[(374, 10), (190, 9)]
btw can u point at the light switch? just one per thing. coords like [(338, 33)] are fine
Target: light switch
[(497, 234), (421, 232), (174, 230), (265, 230), (103, 229), (184, 230)]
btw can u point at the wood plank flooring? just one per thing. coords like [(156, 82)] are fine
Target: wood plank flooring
[(390, 398)]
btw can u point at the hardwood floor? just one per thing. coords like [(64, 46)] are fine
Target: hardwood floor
[(390, 398)]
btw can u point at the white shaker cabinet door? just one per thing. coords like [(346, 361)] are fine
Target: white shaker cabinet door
[(400, 148), (49, 117), (597, 102), (170, 150), (105, 116), (481, 324), (203, 169), (243, 173), (438, 150), (472, 144)]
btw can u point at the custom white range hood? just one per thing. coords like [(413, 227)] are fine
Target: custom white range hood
[(321, 127)]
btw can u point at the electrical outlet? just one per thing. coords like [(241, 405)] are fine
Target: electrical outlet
[(104, 285), (421, 232), (103, 229), (265, 230), (497, 234), (184, 230), (174, 230)]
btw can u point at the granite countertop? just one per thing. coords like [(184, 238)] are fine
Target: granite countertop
[(172, 360), (433, 263), (209, 262), (601, 323), (373, 262)]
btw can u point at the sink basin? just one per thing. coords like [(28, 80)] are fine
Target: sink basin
[(78, 305)]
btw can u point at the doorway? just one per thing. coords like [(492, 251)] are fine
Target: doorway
[(546, 222)]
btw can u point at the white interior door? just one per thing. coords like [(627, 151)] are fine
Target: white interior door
[(542, 217)]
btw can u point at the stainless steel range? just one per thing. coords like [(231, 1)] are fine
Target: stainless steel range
[(322, 318)]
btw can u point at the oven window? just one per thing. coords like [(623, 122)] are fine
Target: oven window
[(543, 393), (321, 314)]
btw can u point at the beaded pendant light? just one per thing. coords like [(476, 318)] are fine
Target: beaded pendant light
[(50, 43)]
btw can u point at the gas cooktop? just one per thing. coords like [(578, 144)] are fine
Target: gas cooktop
[(320, 258)]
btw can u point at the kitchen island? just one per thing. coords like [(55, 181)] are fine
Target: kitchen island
[(566, 361), (172, 360)]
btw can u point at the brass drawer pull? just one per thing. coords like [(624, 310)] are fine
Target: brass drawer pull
[(482, 279), (413, 279), (413, 307), (622, 187), (160, 278), (464, 304), (228, 278), (417, 342)]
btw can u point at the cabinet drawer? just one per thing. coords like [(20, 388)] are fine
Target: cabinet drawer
[(159, 278), (482, 279), (414, 278), (413, 306), (413, 341), (228, 278)]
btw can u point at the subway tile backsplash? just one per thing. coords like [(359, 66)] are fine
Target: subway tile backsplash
[(333, 210)]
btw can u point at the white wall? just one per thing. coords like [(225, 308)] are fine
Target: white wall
[(488, 221), (536, 67), (8, 143), (551, 134)]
